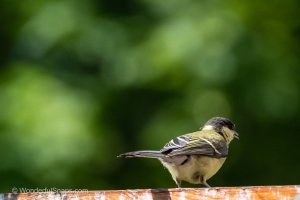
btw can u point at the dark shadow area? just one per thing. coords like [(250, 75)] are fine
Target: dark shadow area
[(160, 194)]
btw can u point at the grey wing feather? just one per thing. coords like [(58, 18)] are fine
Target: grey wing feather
[(189, 145), (178, 142)]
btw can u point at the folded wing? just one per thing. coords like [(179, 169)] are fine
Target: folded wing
[(194, 145)]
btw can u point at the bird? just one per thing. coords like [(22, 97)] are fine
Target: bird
[(195, 157)]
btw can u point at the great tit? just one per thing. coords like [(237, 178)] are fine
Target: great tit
[(195, 157)]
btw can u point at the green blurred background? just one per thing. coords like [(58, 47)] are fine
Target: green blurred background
[(83, 81)]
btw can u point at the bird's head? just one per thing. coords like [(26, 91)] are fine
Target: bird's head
[(223, 126)]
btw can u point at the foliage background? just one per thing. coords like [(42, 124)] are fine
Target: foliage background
[(83, 81)]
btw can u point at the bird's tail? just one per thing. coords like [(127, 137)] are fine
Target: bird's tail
[(145, 154)]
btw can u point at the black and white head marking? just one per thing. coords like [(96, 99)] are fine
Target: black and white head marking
[(217, 123)]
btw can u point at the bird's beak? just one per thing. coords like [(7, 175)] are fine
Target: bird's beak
[(236, 135)]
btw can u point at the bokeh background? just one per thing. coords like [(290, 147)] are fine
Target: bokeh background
[(83, 81)]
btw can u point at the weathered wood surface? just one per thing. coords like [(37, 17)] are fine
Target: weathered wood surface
[(245, 193)]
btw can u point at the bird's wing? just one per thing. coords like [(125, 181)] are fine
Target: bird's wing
[(194, 145)]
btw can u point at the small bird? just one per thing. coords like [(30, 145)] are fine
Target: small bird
[(195, 157)]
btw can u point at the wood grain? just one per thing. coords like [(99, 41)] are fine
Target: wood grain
[(245, 193)]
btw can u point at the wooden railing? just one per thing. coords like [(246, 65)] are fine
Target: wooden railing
[(254, 193)]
